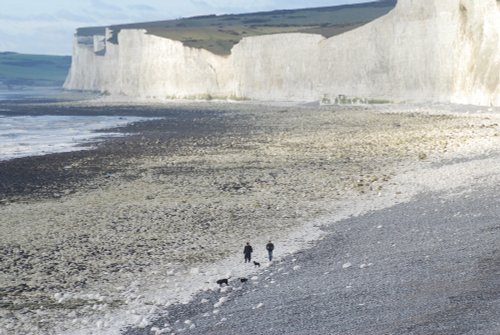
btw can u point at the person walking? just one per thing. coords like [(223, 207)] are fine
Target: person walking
[(248, 252), (270, 248)]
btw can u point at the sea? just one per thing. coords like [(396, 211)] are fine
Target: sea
[(33, 135)]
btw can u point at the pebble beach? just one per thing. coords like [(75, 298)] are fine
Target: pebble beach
[(99, 240)]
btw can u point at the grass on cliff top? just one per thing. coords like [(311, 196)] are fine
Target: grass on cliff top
[(33, 70), (219, 33)]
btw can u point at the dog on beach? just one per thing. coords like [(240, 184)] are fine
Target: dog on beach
[(222, 281), (256, 263)]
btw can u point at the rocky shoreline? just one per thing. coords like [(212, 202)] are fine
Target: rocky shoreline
[(88, 233)]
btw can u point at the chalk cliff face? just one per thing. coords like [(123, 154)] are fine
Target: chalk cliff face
[(424, 50)]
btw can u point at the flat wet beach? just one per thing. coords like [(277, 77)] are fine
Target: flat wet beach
[(87, 234)]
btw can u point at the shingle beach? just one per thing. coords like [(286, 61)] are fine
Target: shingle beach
[(375, 212)]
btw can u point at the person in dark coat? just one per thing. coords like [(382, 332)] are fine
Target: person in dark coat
[(248, 252), (270, 248)]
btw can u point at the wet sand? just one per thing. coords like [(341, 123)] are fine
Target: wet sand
[(88, 235)]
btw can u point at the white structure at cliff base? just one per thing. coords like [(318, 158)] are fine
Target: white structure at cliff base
[(423, 50)]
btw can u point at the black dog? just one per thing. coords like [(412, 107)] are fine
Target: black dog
[(256, 263), (222, 281), (243, 280)]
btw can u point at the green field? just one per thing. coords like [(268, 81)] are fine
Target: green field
[(219, 33), (17, 70)]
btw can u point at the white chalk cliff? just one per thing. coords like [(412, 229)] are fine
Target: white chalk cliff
[(423, 50)]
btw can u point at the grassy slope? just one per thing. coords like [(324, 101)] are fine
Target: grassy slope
[(220, 33), (33, 70)]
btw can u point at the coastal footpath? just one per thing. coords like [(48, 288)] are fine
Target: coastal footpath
[(446, 51)]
